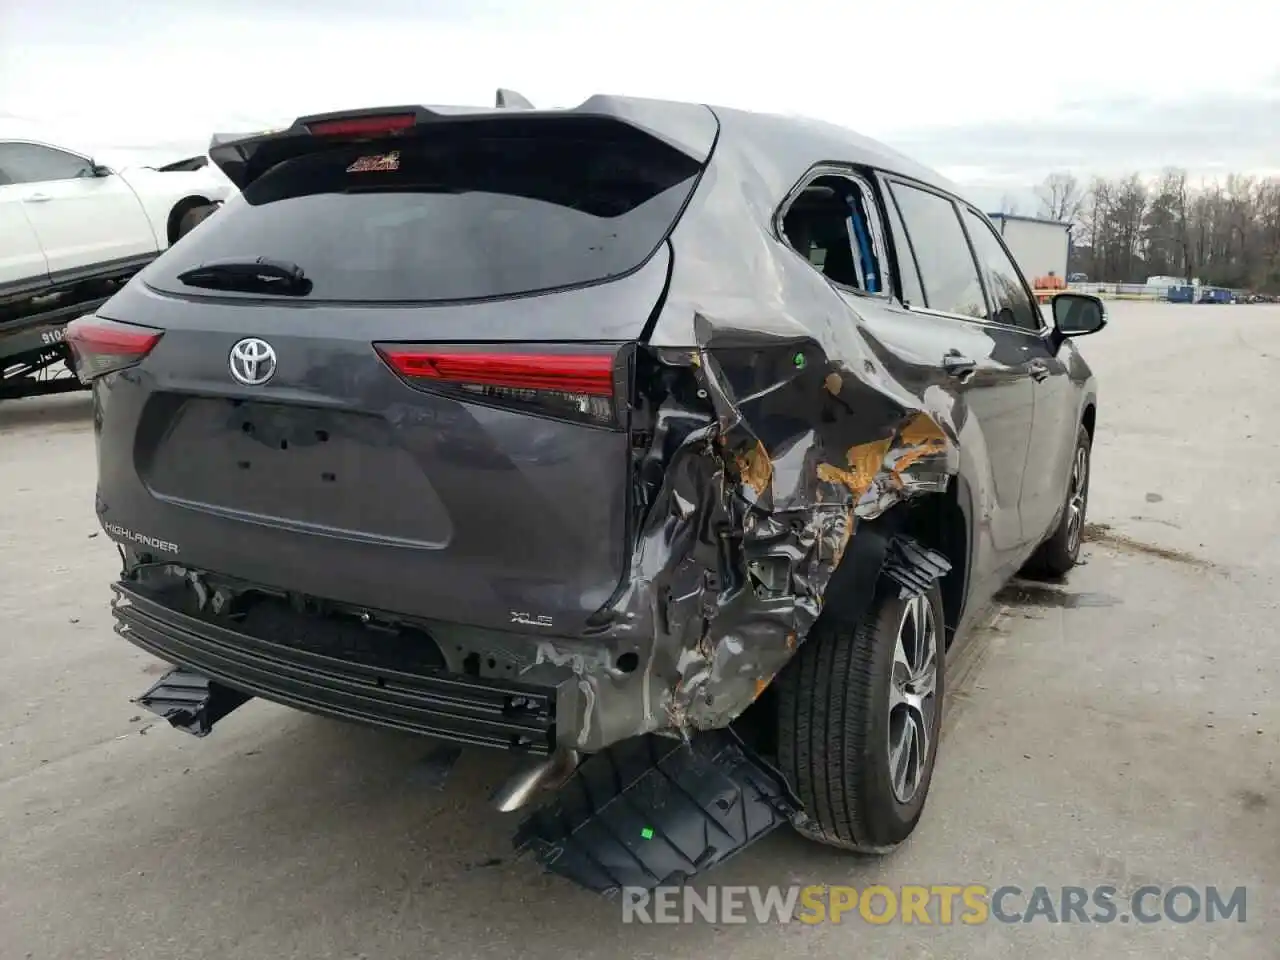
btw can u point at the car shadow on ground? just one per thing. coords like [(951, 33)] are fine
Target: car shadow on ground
[(60, 410)]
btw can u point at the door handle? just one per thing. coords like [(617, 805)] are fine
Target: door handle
[(1038, 369), (37, 198), (962, 368)]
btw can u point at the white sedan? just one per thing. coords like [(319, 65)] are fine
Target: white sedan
[(72, 232), (65, 219)]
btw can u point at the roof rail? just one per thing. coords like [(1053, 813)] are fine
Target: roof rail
[(511, 99)]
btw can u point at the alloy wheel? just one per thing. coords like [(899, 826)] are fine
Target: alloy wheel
[(912, 697), (1076, 499)]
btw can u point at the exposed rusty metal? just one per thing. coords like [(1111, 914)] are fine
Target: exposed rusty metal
[(755, 468), (864, 461)]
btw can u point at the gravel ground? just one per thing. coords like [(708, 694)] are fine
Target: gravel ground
[(1119, 730)]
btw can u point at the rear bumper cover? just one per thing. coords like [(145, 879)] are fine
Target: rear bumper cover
[(474, 711), (416, 683)]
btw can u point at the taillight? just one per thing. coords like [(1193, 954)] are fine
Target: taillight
[(100, 346), (362, 126), (575, 385)]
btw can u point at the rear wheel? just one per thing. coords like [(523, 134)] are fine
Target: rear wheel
[(193, 218), (1057, 555), (859, 715)]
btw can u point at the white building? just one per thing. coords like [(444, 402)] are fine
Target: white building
[(1040, 246)]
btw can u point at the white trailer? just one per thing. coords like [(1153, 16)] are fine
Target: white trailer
[(1039, 246)]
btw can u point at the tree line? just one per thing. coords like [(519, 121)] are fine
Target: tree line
[(1129, 228)]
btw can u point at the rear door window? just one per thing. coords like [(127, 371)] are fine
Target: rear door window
[(908, 272), (947, 269), (1011, 304), (459, 213)]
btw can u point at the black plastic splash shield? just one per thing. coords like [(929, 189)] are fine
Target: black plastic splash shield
[(913, 567), (653, 811), (191, 702)]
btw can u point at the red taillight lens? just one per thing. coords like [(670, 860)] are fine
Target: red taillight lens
[(591, 374), (101, 346), (362, 126), (572, 385)]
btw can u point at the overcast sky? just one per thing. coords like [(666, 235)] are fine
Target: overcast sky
[(995, 94)]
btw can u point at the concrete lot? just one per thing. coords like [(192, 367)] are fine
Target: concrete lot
[(1122, 731)]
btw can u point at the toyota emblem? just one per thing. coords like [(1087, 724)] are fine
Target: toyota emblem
[(253, 361)]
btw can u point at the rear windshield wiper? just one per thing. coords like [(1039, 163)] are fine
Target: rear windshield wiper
[(261, 275)]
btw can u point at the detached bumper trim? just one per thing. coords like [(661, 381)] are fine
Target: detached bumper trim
[(491, 713)]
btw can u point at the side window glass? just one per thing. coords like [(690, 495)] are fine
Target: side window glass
[(833, 223), (947, 270), (912, 292), (35, 163), (5, 176), (1010, 302)]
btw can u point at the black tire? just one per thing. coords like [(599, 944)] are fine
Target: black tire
[(193, 218), (1057, 555), (834, 727)]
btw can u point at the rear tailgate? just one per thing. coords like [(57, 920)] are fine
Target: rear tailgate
[(444, 432)]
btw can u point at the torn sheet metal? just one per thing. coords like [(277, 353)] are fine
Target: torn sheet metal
[(771, 524), (754, 504)]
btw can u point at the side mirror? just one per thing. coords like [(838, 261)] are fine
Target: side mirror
[(100, 171), (1078, 314)]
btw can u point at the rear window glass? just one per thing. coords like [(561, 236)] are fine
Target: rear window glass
[(454, 215)]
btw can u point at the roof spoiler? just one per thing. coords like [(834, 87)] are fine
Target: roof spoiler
[(689, 128), (509, 99)]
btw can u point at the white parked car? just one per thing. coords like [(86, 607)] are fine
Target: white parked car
[(72, 231), (64, 218)]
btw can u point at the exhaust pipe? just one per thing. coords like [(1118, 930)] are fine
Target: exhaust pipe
[(552, 772)]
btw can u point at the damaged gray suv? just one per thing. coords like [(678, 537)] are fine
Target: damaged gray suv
[(670, 445)]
